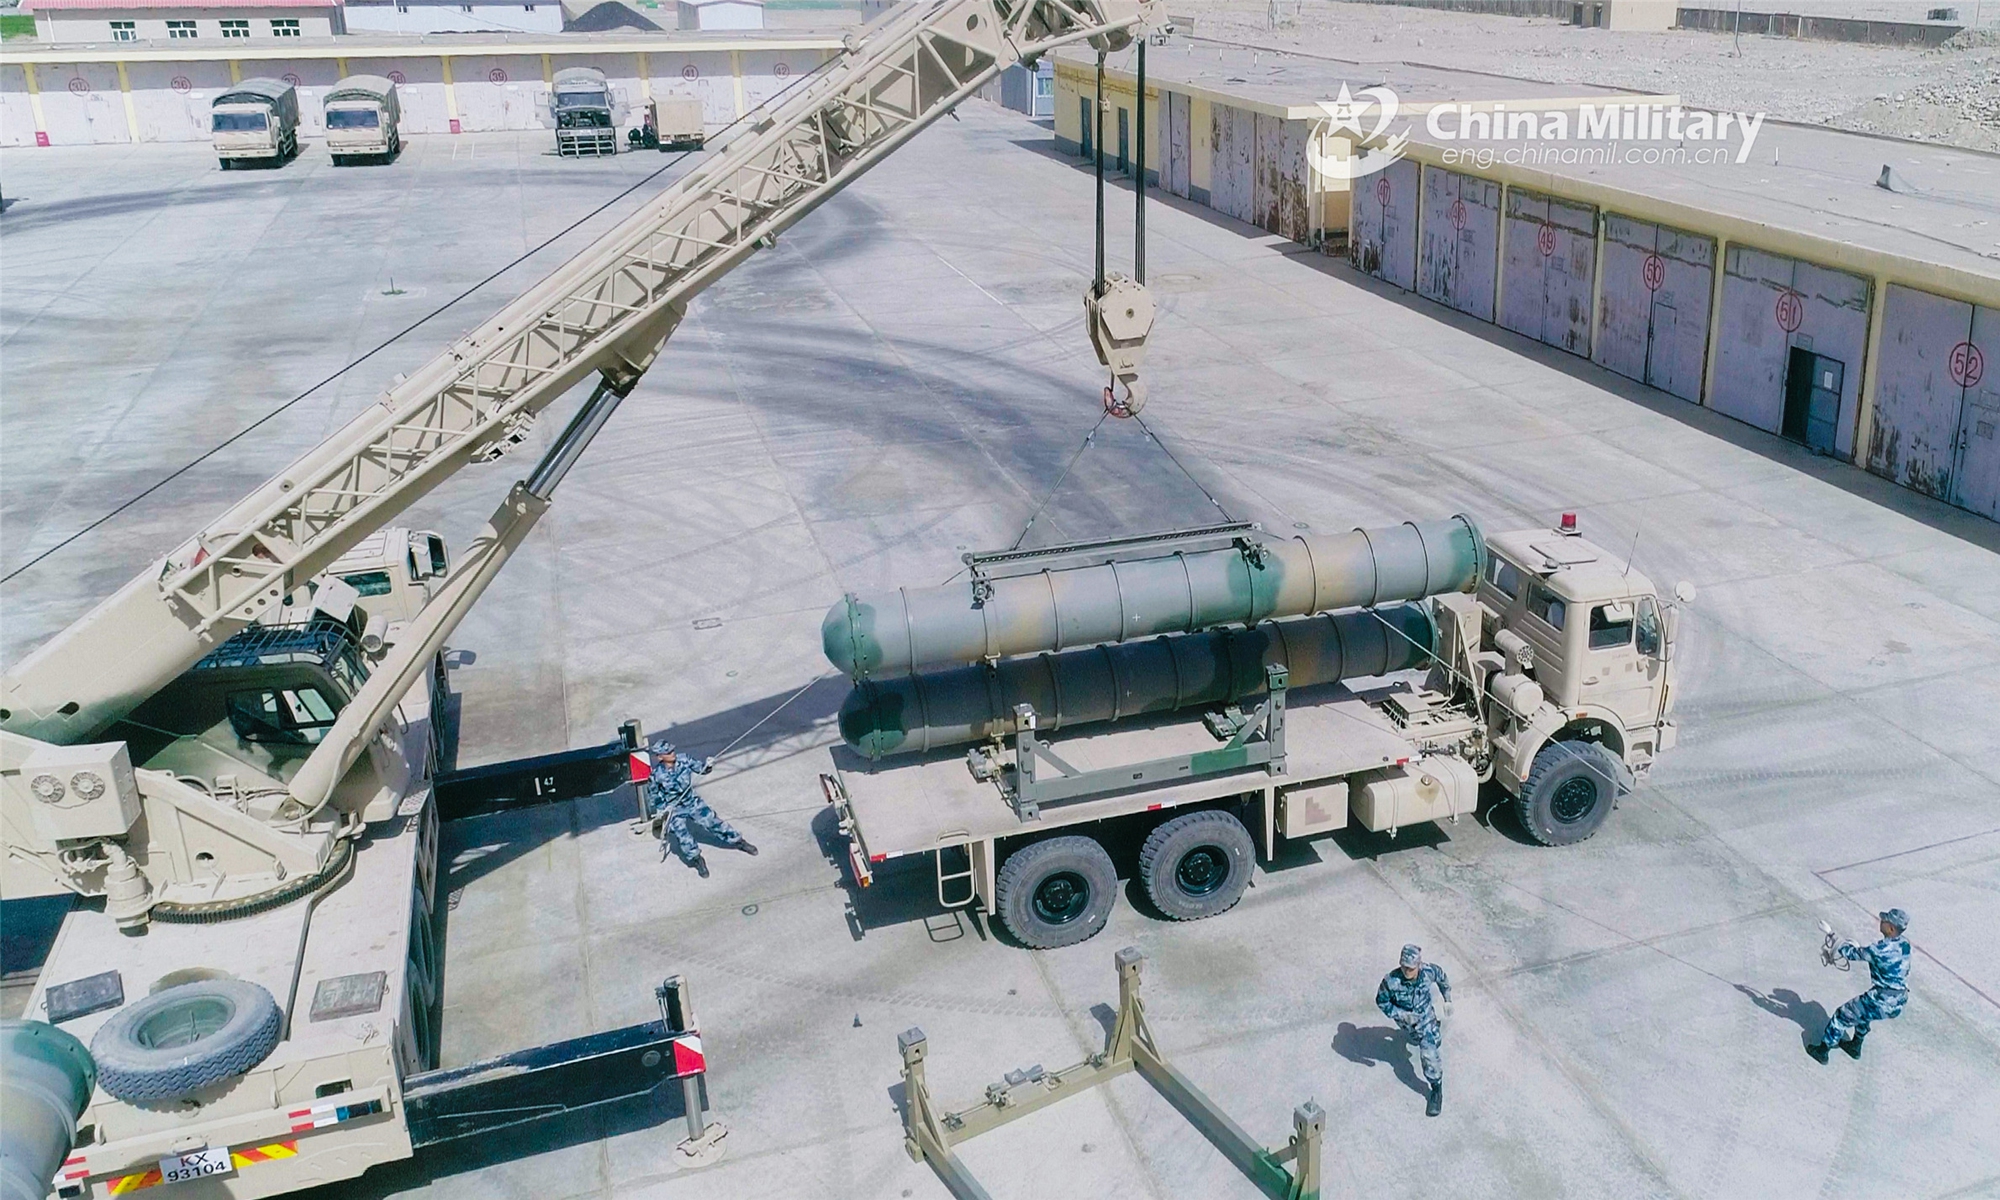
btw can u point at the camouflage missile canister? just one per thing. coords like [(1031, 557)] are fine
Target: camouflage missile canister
[(914, 713), (911, 630)]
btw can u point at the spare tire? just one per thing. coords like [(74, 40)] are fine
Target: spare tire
[(178, 1041)]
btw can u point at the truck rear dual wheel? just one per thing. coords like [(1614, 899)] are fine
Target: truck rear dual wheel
[(1056, 893), (1197, 864), (1569, 792), (178, 1041)]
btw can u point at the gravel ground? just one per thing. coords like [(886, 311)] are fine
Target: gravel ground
[(1949, 95)]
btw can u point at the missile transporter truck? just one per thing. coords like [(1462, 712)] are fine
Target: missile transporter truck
[(1188, 694), (362, 112), (256, 121), (232, 759)]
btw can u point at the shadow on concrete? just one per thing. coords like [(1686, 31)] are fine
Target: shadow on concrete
[(584, 1127), (1809, 1015), (1357, 843), (1379, 1044), (904, 890), (1847, 476)]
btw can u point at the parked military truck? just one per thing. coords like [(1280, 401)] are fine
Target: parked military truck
[(362, 113), (1199, 680), (585, 111), (672, 123), (255, 121)]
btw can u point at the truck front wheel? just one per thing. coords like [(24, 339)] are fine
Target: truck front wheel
[(1056, 893), (1569, 793), (1197, 864)]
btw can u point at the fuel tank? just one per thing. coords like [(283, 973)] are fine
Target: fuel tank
[(913, 713), (911, 630)]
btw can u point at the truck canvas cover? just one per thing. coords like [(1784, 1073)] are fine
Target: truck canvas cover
[(361, 87)]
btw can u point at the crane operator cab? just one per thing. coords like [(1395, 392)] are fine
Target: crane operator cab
[(249, 714)]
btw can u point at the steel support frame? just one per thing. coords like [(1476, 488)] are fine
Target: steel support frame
[(1244, 749), (1289, 1172)]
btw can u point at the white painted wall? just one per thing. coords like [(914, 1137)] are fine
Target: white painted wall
[(81, 102), (414, 16), (721, 14), (88, 25)]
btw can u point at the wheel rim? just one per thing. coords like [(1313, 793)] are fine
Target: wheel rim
[(184, 1024), (1202, 871), (1573, 801), (1062, 897)]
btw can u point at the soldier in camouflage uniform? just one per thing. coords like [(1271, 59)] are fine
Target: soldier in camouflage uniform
[(1405, 998), (677, 811), (1889, 974)]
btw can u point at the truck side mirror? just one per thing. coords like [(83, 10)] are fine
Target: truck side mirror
[(1684, 592)]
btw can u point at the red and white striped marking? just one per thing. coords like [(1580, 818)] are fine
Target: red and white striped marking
[(642, 766), (73, 1168), (319, 1116), (688, 1058)]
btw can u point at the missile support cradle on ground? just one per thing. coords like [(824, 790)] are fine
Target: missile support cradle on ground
[(237, 750), (1546, 673)]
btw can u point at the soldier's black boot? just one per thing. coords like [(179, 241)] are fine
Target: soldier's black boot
[(1818, 1051), (1853, 1046), (1436, 1104), (701, 865), (744, 845)]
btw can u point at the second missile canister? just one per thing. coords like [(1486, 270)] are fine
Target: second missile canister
[(912, 714), (911, 630)]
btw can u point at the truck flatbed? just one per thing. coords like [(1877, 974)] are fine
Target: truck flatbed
[(911, 804)]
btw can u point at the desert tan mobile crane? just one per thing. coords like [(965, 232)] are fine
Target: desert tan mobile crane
[(234, 750)]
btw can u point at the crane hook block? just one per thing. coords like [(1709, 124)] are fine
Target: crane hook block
[(1120, 318)]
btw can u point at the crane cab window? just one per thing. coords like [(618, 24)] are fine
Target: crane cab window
[(440, 561), (287, 716), (1611, 625), (1548, 607), (370, 583), (1504, 576)]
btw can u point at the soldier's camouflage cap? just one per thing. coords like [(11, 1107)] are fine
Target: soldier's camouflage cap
[(1898, 918), (1412, 955), (661, 746)]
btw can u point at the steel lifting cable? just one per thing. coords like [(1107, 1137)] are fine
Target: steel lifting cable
[(1175, 458), (393, 338), (1060, 479)]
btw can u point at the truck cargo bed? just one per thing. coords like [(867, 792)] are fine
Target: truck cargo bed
[(910, 804)]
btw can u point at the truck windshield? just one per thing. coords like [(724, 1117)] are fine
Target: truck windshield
[(353, 118), (581, 100), (241, 122)]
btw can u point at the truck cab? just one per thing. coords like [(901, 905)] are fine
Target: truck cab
[(362, 112), (1575, 651), (256, 120), (585, 112)]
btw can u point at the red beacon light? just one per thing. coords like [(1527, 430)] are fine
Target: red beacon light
[(1568, 525)]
